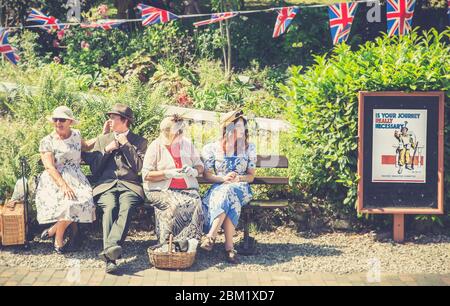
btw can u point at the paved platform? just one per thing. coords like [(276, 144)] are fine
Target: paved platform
[(153, 277)]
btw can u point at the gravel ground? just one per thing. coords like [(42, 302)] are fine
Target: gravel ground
[(281, 250)]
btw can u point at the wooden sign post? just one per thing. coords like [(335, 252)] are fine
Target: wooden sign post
[(401, 155)]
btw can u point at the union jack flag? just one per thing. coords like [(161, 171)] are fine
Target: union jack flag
[(103, 24), (151, 15), (448, 8), (341, 19), (48, 22), (399, 16), (6, 49), (216, 18), (284, 19)]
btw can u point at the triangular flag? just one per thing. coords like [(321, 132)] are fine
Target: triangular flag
[(399, 15), (6, 49), (48, 22), (284, 19), (151, 15), (216, 18), (448, 9), (105, 24), (341, 19)]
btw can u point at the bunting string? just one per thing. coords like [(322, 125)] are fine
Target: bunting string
[(399, 15), (268, 10)]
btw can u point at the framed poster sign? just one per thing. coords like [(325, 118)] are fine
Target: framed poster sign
[(401, 153)]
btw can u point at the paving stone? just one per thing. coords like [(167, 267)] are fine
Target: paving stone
[(94, 277)]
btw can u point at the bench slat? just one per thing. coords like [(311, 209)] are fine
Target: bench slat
[(269, 204), (259, 180), (272, 161)]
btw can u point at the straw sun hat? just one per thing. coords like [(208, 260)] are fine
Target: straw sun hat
[(63, 112)]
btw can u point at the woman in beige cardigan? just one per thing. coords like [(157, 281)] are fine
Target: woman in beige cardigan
[(170, 171)]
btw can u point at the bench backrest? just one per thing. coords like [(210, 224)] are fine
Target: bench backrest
[(267, 162), (272, 161)]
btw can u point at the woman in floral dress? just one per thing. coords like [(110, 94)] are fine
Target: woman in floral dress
[(64, 195), (171, 167), (230, 163)]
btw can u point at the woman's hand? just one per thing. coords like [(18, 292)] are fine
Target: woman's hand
[(231, 177), (189, 171), (173, 173), (68, 192), (11, 204)]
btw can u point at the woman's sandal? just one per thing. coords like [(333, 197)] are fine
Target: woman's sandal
[(207, 243), (45, 234), (59, 250), (231, 256)]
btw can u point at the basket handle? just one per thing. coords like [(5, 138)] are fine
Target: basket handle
[(11, 204), (170, 243)]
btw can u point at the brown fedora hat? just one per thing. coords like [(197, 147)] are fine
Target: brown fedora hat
[(123, 111)]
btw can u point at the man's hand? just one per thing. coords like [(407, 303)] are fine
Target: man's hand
[(122, 139), (114, 145)]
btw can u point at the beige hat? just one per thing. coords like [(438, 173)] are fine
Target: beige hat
[(230, 117), (171, 123), (63, 112)]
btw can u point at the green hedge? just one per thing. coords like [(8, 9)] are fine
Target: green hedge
[(323, 105)]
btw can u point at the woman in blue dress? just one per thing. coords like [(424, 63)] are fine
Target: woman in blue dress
[(230, 163)]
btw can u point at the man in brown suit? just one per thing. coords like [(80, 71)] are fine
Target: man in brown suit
[(116, 162)]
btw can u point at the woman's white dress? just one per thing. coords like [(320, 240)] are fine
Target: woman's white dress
[(51, 204)]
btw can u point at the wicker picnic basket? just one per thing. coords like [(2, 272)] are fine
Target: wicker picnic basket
[(170, 259), (12, 225)]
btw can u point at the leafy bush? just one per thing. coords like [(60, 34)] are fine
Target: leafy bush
[(323, 105), (25, 110), (18, 138), (88, 51), (91, 50)]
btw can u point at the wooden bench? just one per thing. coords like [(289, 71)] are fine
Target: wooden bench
[(247, 247)]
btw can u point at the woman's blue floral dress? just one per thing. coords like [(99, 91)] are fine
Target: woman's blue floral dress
[(226, 198), (51, 204)]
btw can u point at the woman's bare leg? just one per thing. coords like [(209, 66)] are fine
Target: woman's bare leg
[(61, 227), (52, 230), (217, 223), (230, 230)]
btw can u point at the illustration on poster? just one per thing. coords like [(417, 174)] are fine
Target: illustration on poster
[(406, 141), (399, 139)]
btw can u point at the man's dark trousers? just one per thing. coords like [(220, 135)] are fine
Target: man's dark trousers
[(118, 205)]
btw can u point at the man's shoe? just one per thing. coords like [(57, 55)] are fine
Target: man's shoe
[(111, 253), (111, 266)]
